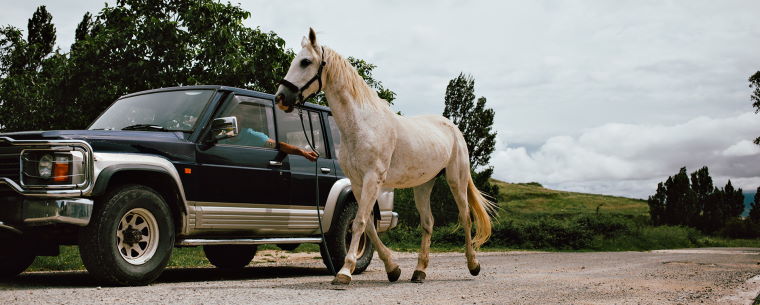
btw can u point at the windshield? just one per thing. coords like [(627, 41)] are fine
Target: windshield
[(161, 111)]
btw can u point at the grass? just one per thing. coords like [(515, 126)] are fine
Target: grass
[(532, 198)]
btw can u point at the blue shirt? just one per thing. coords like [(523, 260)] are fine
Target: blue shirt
[(250, 137)]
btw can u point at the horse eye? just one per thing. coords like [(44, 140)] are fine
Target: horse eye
[(305, 62)]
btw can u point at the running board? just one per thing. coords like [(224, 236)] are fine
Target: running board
[(260, 241)]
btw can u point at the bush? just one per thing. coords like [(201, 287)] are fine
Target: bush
[(559, 232)]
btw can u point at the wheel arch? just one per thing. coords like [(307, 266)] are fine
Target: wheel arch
[(341, 193), (155, 177)]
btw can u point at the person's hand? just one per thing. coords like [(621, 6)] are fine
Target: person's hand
[(310, 155)]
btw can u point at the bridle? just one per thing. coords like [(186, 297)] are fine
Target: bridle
[(318, 78)]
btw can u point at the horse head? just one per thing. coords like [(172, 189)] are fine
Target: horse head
[(304, 77)]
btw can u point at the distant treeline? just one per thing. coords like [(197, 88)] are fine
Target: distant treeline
[(697, 203)]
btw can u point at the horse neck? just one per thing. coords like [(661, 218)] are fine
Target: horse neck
[(352, 101)]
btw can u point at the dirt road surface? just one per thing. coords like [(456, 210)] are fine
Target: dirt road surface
[(689, 276)]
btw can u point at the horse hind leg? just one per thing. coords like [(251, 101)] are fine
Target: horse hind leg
[(422, 201), (458, 183)]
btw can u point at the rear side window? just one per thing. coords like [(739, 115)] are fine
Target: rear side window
[(291, 131), (335, 133)]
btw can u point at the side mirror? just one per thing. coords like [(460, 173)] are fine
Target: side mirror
[(224, 128)]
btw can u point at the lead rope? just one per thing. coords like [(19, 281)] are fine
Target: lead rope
[(316, 188)]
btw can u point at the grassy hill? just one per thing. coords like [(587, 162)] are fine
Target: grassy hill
[(532, 198)]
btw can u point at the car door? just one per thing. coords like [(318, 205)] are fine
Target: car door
[(244, 186), (302, 183)]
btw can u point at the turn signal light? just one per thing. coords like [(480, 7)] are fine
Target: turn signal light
[(61, 170)]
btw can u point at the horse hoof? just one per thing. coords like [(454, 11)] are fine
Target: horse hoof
[(418, 276), (475, 271), (341, 279), (394, 275)]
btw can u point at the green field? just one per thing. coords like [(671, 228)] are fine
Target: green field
[(531, 198)]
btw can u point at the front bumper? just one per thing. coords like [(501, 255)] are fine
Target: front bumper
[(19, 211), (76, 211)]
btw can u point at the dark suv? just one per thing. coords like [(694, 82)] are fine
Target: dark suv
[(176, 167)]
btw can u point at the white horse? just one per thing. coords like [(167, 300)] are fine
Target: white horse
[(380, 149)]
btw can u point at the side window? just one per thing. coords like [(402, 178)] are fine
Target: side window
[(335, 133), (291, 131), (255, 122)]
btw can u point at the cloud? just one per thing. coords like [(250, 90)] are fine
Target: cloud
[(629, 159), (741, 149)]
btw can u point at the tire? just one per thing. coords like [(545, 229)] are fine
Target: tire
[(130, 237), (230, 256), (288, 247), (339, 238), (13, 261)]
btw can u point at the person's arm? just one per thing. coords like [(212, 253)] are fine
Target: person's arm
[(295, 150)]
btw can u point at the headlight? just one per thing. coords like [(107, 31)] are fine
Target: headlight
[(46, 167)]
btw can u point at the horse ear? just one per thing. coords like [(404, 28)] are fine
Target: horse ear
[(312, 37), (304, 42)]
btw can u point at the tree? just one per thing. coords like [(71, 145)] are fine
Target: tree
[(754, 82), (680, 198), (734, 201), (702, 185), (133, 46), (696, 203), (473, 119), (28, 71), (656, 204), (754, 212)]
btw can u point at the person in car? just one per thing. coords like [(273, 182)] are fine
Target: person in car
[(251, 137)]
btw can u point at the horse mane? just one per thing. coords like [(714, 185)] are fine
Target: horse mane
[(344, 75)]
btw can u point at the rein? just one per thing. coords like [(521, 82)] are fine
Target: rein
[(300, 91)]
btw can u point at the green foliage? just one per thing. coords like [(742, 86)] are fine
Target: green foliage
[(473, 119), (754, 212), (696, 203), (754, 82), (133, 46)]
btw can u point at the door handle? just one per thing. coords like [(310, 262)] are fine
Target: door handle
[(275, 163), (325, 170)]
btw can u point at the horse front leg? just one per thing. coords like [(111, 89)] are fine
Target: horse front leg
[(369, 191), (391, 268)]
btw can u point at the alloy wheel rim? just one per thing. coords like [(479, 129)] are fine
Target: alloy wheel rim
[(137, 236)]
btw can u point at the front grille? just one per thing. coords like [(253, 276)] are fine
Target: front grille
[(10, 162)]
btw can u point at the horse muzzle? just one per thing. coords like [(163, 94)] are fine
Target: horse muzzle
[(285, 99)]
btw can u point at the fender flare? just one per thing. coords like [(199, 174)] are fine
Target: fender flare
[(341, 193)]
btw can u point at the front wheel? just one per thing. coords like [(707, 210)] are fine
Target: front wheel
[(130, 238), (13, 260), (339, 239)]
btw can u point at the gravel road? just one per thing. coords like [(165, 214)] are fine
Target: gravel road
[(689, 276)]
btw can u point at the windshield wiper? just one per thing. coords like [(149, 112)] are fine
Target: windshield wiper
[(145, 127)]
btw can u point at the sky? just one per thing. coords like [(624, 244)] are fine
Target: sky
[(607, 97)]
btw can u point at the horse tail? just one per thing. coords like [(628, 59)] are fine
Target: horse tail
[(481, 209)]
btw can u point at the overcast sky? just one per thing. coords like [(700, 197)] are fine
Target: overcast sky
[(606, 97)]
